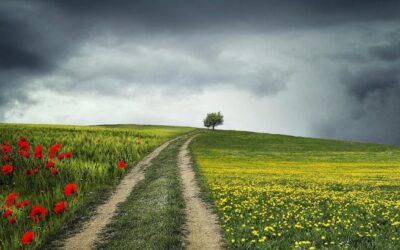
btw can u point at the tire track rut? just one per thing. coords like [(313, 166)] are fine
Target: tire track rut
[(203, 231)]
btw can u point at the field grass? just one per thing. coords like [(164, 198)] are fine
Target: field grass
[(96, 151), (153, 215), (283, 192)]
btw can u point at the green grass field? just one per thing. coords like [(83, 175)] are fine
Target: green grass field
[(283, 192), (95, 150)]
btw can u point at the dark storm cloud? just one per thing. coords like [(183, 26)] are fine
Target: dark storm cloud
[(373, 82), (373, 88), (35, 34), (17, 61), (229, 14), (34, 39), (16, 50), (378, 76), (389, 50)]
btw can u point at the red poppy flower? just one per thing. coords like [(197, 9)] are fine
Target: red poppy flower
[(23, 147), (22, 139), (38, 152), (9, 203), (10, 199), (121, 164), (27, 237), (11, 220), (35, 169), (22, 204), (7, 213), (50, 164), (12, 196), (54, 149), (70, 189), (68, 154), (59, 207), (29, 172), (36, 211), (7, 169), (5, 148), (54, 171), (24, 153), (60, 156)]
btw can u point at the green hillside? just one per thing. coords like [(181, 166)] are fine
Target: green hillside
[(284, 192)]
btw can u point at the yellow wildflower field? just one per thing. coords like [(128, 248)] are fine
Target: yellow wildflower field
[(284, 192)]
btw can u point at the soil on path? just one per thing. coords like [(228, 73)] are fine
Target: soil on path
[(202, 227), (91, 230)]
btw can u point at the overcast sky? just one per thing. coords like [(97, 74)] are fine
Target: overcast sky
[(312, 68)]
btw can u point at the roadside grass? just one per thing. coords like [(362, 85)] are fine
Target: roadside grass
[(153, 215), (285, 192), (76, 221)]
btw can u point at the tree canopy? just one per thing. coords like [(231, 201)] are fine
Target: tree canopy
[(213, 120)]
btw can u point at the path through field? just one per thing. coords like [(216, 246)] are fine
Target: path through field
[(202, 227), (104, 213)]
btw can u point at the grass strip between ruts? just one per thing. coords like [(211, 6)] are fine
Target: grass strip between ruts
[(153, 215)]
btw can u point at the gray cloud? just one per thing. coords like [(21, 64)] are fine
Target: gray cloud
[(229, 14), (372, 96), (389, 50), (376, 83), (165, 67), (33, 42)]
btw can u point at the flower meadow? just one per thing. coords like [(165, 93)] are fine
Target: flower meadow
[(47, 172), (282, 192)]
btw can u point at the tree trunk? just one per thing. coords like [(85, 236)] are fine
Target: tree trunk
[(213, 127)]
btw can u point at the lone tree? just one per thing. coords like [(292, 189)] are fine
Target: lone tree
[(213, 119)]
